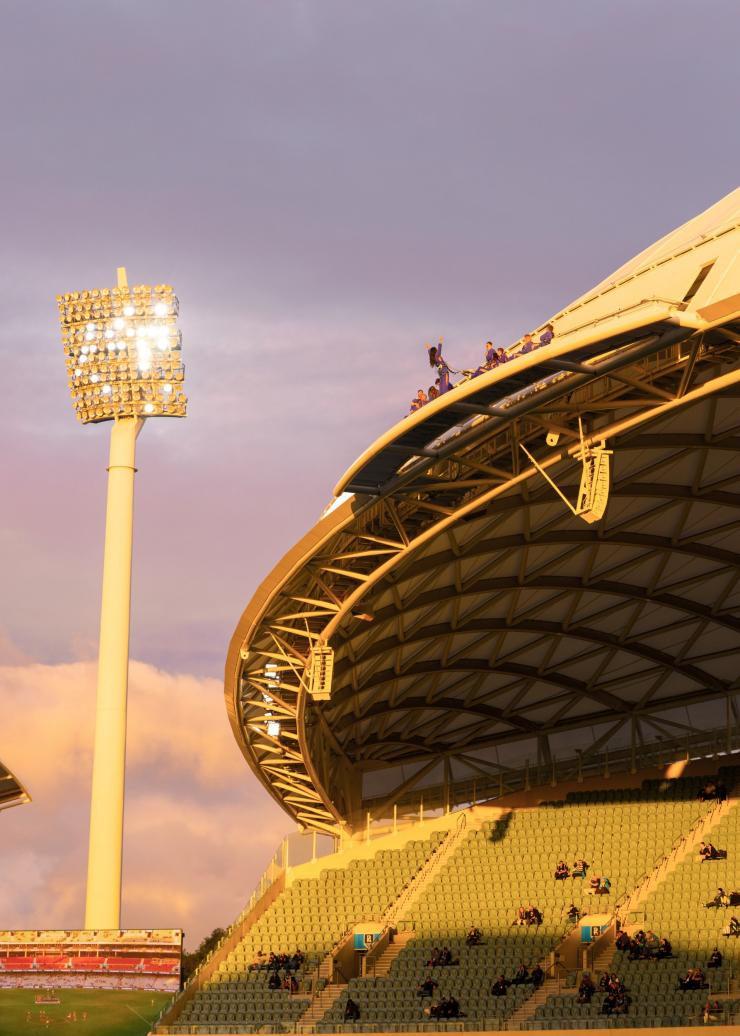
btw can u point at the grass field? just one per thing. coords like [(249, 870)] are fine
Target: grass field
[(108, 1013)]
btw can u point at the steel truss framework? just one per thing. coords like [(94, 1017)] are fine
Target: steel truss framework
[(476, 622)]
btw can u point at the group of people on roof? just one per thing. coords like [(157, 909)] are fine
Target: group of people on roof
[(493, 357)]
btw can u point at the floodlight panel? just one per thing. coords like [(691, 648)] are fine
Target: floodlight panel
[(123, 352)]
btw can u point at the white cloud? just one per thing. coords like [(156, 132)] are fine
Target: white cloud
[(199, 829)]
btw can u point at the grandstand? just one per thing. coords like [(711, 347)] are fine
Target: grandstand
[(132, 960), (12, 792), (463, 681)]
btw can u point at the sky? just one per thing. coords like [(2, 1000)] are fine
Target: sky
[(328, 186)]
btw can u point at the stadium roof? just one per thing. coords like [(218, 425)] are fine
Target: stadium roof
[(12, 792), (475, 622)]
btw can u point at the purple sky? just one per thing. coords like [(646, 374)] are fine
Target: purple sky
[(328, 185)]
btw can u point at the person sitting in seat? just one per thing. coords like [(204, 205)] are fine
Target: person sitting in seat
[(561, 871), (604, 982), (720, 900), (573, 914), (474, 937), (445, 958), (586, 989), (594, 885), (533, 916), (731, 928), (579, 869), (707, 851), (707, 791), (521, 976), (426, 989), (712, 1011), (499, 987), (273, 981), (433, 393), (521, 916), (351, 1010), (694, 979), (638, 946), (537, 976), (715, 959), (664, 950), (291, 984), (501, 355), (452, 1009), (623, 942)]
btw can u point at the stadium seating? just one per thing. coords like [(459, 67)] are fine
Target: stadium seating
[(494, 871), (496, 868), (311, 915), (674, 910)]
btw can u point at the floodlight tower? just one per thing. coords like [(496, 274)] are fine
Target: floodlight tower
[(123, 355)]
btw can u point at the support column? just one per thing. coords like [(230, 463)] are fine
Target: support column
[(103, 903)]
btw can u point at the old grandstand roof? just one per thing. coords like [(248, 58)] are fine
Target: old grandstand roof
[(12, 792), (475, 621)]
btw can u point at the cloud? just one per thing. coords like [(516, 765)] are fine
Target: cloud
[(199, 829)]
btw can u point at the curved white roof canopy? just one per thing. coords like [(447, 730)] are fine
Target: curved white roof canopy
[(475, 622)]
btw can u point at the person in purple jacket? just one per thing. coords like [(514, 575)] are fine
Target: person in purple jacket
[(547, 335)]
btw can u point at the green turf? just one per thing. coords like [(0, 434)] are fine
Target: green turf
[(109, 1013)]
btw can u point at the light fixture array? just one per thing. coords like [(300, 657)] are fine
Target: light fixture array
[(123, 352)]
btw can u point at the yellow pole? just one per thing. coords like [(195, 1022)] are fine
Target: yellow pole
[(103, 904)]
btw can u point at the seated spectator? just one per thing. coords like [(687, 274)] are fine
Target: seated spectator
[(521, 916), (291, 984), (694, 979), (664, 950), (720, 900), (623, 942), (708, 852), (715, 959), (615, 983), (604, 982), (579, 869), (573, 914), (594, 884), (351, 1010), (501, 355), (474, 937), (732, 927), (273, 981), (712, 1011), (452, 1008), (433, 961), (604, 888), (445, 958), (547, 335), (707, 791), (499, 987), (561, 871), (433, 393), (521, 976), (533, 915), (586, 989), (426, 989), (537, 976)]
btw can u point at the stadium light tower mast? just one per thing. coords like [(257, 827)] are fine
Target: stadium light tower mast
[(123, 356)]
